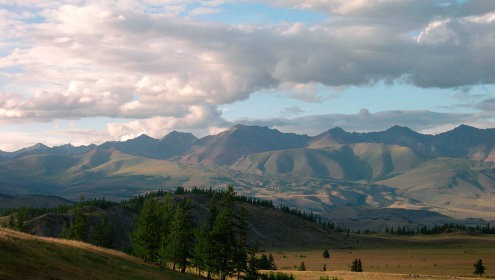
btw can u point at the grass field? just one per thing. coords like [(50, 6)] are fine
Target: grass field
[(24, 256), (446, 255)]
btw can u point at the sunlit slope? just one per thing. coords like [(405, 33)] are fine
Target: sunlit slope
[(361, 161), (24, 256), (109, 173), (458, 187)]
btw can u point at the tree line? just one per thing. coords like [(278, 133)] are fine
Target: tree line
[(168, 235)]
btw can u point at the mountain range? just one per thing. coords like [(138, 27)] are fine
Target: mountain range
[(452, 173)]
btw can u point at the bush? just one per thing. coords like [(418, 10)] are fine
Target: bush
[(279, 276)]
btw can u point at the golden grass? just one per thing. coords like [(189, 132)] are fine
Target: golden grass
[(23, 256), (347, 275), (447, 256), (12, 234)]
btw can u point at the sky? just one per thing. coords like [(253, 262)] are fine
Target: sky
[(84, 71)]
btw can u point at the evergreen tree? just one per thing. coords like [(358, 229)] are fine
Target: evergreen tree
[(223, 237), (240, 254), (479, 268), (271, 263), (263, 263), (302, 267), (201, 250), (102, 234), (180, 237), (326, 254), (167, 212), (252, 267), (146, 238), (78, 225), (357, 265)]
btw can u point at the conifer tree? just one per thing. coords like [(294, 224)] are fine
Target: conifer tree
[(180, 237), (146, 238), (78, 224), (223, 237), (167, 212), (102, 234), (240, 254), (302, 267), (271, 262), (479, 268), (326, 254)]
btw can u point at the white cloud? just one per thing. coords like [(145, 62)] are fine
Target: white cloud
[(150, 62)]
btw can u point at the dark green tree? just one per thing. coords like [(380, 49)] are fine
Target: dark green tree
[(302, 267), (479, 268), (252, 266), (78, 225), (263, 263), (356, 265), (178, 248), (102, 234), (223, 236), (201, 250), (326, 254), (167, 210), (271, 262), (240, 253), (146, 238)]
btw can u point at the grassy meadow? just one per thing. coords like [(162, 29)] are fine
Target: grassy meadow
[(450, 255), (24, 256)]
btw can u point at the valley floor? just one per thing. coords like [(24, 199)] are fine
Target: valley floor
[(450, 255)]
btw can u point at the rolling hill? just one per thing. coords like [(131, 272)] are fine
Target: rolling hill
[(451, 173), (25, 256)]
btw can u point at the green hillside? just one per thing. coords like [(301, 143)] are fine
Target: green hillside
[(24, 256), (361, 161)]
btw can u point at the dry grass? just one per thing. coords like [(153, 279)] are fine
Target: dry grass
[(347, 275), (23, 256), (448, 256)]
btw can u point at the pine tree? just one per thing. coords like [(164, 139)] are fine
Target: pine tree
[(167, 212), (180, 237), (78, 225), (252, 267), (479, 268), (240, 254), (263, 263), (357, 265), (223, 237), (102, 234), (146, 238), (326, 254), (271, 263), (201, 250)]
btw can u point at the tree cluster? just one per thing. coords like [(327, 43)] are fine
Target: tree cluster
[(356, 265), (166, 235)]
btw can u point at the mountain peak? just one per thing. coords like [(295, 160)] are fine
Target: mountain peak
[(143, 137), (177, 134), (464, 127)]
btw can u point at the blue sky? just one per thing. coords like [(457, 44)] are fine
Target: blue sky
[(92, 71)]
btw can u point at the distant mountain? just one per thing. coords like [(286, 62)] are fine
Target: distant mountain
[(228, 146), (360, 161), (36, 149), (466, 141), (452, 173), (32, 201), (395, 135)]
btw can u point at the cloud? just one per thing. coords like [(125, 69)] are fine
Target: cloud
[(200, 120), (149, 62), (487, 105)]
